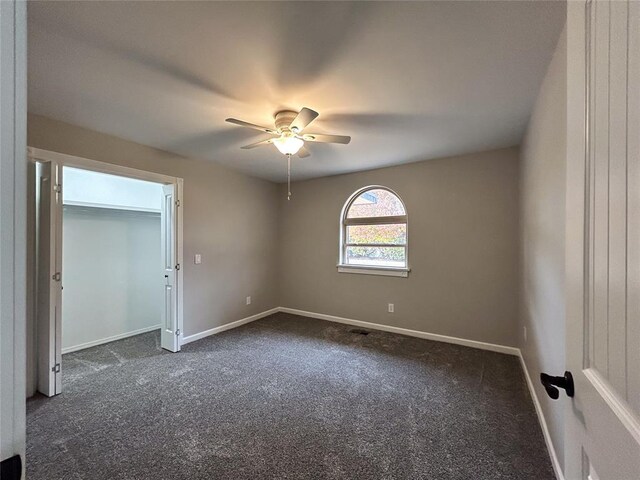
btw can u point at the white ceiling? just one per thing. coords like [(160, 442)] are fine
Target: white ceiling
[(408, 81)]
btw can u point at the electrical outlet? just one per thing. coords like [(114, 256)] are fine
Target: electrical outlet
[(524, 333), (197, 259), (248, 300), (391, 308)]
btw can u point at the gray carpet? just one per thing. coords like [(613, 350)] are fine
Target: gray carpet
[(287, 397)]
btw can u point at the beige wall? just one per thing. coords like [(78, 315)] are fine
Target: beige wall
[(463, 234), (229, 218), (543, 176), (463, 248)]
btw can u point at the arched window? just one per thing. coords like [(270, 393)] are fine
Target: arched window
[(374, 233)]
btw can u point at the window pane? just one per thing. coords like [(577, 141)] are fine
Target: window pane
[(376, 203), (394, 234), (377, 256)]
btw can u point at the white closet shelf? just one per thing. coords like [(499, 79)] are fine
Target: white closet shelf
[(128, 208)]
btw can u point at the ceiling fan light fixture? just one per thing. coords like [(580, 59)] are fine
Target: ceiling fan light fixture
[(288, 145)]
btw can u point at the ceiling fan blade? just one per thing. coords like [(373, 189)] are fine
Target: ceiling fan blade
[(304, 118), (303, 152), (251, 125), (258, 144), (316, 137)]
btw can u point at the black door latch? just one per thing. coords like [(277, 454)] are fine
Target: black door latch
[(550, 383)]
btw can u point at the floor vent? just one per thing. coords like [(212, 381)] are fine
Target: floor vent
[(359, 331)]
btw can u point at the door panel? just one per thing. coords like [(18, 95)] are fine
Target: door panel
[(170, 334), (603, 240), (49, 287), (633, 198)]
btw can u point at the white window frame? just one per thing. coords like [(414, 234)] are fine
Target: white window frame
[(343, 266)]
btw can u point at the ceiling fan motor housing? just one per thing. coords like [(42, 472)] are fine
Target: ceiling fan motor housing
[(283, 119)]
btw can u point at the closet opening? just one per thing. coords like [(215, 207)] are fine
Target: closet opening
[(109, 245), (113, 276)]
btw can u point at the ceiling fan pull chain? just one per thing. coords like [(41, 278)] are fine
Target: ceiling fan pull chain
[(288, 177)]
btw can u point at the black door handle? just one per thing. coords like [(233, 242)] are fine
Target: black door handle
[(550, 383)]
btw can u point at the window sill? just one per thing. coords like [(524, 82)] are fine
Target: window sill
[(365, 270)]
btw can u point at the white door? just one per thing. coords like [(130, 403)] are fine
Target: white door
[(13, 250), (49, 285), (170, 330), (602, 438)]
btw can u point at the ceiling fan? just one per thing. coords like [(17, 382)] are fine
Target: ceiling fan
[(288, 136)]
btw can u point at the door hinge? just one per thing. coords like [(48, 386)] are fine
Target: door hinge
[(177, 203), (178, 267), (177, 332), (56, 368), (57, 276), (57, 188)]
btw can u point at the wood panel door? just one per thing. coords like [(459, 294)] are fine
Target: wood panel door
[(602, 439)]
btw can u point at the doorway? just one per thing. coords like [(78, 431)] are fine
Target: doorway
[(109, 242)]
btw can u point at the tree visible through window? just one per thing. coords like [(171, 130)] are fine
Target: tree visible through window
[(374, 229)]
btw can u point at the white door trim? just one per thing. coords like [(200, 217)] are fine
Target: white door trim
[(62, 159), (13, 221), (38, 154)]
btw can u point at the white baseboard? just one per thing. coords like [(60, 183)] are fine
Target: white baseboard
[(405, 331), (348, 321), (120, 336), (228, 326), (543, 422)]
